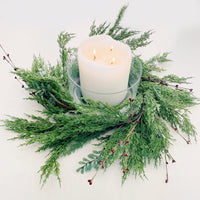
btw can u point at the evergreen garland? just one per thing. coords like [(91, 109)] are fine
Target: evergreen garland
[(140, 134)]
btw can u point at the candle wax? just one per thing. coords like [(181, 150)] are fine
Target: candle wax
[(104, 66)]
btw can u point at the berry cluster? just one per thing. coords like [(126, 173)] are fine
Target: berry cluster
[(127, 169), (90, 181), (131, 100)]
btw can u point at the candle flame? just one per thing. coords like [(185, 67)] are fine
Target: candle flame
[(112, 61), (111, 48), (94, 54)]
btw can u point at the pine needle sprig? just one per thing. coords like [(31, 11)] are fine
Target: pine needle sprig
[(117, 32), (172, 78), (101, 29), (141, 41), (118, 20), (121, 33)]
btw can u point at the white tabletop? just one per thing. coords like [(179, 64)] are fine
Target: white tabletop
[(31, 27)]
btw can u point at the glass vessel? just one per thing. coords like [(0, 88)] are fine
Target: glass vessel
[(76, 89)]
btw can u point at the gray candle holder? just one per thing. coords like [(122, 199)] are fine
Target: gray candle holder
[(76, 89)]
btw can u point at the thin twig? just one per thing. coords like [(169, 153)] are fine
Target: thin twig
[(167, 178)]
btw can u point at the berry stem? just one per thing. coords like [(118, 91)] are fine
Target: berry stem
[(173, 160), (166, 169), (111, 152), (7, 58), (187, 141), (159, 81)]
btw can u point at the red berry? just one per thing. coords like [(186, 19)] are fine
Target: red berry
[(89, 180), (173, 161), (119, 142), (129, 99), (112, 150), (127, 141), (161, 81), (175, 129), (126, 154), (124, 171), (127, 169), (166, 181), (90, 183), (130, 115), (100, 161), (188, 142), (191, 90), (102, 166), (133, 100), (176, 86), (4, 57), (138, 121)]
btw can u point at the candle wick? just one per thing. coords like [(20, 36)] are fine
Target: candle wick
[(112, 61), (94, 54)]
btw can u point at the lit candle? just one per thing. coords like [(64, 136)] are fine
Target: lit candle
[(112, 61), (111, 48), (104, 66), (94, 54)]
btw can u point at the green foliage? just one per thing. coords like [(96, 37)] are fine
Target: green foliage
[(117, 32), (47, 88), (101, 29), (91, 162), (63, 39), (175, 79), (118, 20), (66, 125), (142, 41)]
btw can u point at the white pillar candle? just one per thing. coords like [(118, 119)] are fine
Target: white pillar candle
[(104, 67)]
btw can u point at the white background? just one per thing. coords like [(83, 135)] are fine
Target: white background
[(31, 27)]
